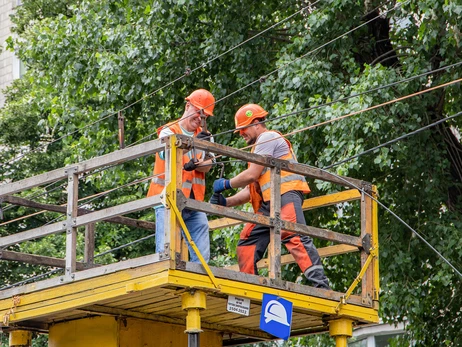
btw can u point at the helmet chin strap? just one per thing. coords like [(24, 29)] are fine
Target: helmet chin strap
[(203, 121)]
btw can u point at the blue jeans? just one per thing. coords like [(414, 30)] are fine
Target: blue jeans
[(198, 227)]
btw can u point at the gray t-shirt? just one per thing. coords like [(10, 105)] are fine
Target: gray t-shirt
[(266, 145)]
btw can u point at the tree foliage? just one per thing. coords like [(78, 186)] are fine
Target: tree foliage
[(86, 60)]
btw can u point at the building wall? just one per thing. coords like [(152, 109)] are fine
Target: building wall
[(9, 64)]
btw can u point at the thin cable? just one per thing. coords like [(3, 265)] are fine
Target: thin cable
[(91, 197), (350, 114), (97, 255), (341, 99), (126, 245), (187, 73), (31, 279), (246, 86), (393, 141), (397, 217)]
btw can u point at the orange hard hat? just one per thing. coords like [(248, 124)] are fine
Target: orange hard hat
[(247, 113), (202, 99)]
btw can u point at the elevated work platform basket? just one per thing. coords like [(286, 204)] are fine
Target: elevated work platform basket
[(152, 300)]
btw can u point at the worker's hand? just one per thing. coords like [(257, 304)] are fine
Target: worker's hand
[(204, 135), (218, 199), (221, 184), (191, 165)]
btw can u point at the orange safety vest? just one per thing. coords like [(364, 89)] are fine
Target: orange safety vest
[(260, 190), (192, 180)]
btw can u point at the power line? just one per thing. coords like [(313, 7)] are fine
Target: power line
[(344, 98), (393, 141), (58, 270), (248, 85), (397, 217), (348, 115), (187, 73)]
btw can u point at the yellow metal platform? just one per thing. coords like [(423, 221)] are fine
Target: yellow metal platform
[(146, 295), (153, 292)]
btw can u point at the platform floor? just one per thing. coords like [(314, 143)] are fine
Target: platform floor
[(152, 291)]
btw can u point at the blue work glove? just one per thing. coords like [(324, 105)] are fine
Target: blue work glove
[(220, 185), (204, 136), (218, 199), (191, 165)]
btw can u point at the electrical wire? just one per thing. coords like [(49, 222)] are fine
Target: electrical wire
[(397, 217), (246, 86), (337, 100), (91, 197), (187, 73), (393, 141), (96, 256)]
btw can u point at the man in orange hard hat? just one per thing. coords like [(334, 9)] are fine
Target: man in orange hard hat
[(254, 239), (195, 165)]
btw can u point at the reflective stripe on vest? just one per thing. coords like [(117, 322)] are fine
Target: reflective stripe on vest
[(284, 179), (192, 180)]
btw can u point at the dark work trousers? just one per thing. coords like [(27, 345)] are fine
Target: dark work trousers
[(254, 240)]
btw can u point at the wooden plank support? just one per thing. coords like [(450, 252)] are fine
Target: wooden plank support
[(308, 204), (301, 169), (274, 250), (323, 234), (92, 217), (286, 259), (367, 283), (131, 222), (110, 212), (40, 260), (32, 234), (89, 251), (71, 231), (121, 120), (375, 245), (113, 158), (174, 176)]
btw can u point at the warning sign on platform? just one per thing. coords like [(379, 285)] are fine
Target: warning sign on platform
[(238, 305)]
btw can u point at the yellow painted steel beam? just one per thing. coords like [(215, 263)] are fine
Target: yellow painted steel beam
[(341, 329), (375, 243), (93, 291), (255, 292), (20, 338), (171, 198), (345, 297), (331, 199), (75, 295), (124, 276)]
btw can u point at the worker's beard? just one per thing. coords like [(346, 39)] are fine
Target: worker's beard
[(251, 140)]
